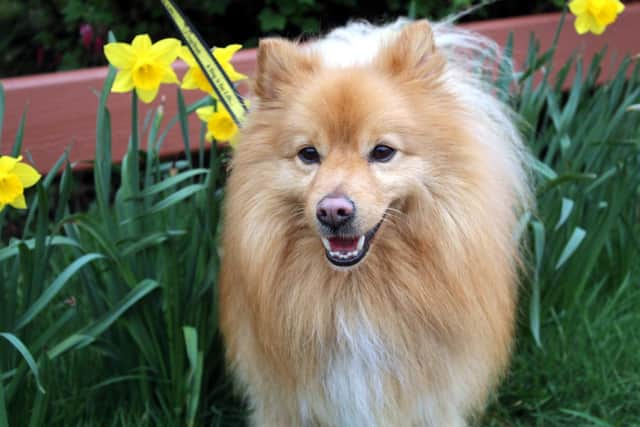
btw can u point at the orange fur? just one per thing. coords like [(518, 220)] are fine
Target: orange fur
[(424, 323)]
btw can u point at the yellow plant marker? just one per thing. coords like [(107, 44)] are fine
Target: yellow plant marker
[(225, 90)]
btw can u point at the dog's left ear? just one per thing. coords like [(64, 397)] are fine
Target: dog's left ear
[(412, 55)]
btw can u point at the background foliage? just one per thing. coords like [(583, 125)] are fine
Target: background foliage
[(48, 35), (108, 314)]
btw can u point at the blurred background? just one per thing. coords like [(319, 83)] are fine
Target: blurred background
[(50, 35)]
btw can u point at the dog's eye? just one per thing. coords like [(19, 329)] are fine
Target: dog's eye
[(381, 153), (309, 155)]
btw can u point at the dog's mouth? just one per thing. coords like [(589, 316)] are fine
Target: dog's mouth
[(347, 251)]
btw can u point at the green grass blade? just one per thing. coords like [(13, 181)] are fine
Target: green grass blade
[(168, 183), (149, 241), (195, 372), (565, 211), (38, 410), (576, 238), (12, 249), (4, 419), (55, 287), (184, 126), (595, 421), (17, 145), (88, 334), (26, 355), (171, 200), (534, 309)]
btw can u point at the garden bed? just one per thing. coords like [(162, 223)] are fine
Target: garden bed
[(62, 106)]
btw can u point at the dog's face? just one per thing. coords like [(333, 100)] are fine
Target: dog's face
[(347, 146)]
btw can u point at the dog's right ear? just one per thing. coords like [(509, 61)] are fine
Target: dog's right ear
[(280, 64)]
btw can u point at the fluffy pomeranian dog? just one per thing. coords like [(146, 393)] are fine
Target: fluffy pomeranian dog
[(370, 249)]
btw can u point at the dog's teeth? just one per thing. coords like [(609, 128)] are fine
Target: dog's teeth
[(326, 244), (360, 243)]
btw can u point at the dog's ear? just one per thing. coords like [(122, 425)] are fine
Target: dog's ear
[(412, 55), (280, 64)]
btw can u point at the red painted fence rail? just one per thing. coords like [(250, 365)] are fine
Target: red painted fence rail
[(61, 107)]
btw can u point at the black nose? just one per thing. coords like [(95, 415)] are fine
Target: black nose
[(335, 210)]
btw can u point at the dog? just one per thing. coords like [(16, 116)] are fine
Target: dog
[(370, 255)]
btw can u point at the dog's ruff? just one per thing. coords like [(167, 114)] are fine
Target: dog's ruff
[(419, 332)]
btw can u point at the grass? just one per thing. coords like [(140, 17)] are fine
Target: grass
[(108, 316)]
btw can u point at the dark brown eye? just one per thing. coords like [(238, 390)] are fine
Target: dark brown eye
[(381, 153), (309, 155)]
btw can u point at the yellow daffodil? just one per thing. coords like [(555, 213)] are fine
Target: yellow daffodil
[(195, 78), (595, 15), (220, 125), (15, 176), (143, 65)]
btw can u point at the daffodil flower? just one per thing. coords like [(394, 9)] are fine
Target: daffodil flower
[(143, 65), (220, 125), (195, 78), (15, 176), (595, 15)]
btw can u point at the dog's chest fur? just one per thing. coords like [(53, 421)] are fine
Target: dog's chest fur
[(354, 378)]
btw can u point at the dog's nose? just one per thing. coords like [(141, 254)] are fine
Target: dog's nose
[(335, 210)]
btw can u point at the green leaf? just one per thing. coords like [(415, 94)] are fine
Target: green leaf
[(52, 290), (4, 419), (543, 169), (87, 335), (534, 309), (565, 211), (12, 249), (574, 241), (271, 20), (17, 146), (195, 372), (26, 355), (150, 240), (168, 183), (184, 126), (598, 422), (169, 201)]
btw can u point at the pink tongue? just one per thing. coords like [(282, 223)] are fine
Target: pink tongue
[(343, 244)]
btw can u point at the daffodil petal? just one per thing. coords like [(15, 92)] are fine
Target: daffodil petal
[(578, 7), (189, 81), (226, 53), (7, 163), (120, 55), (27, 174), (619, 7), (2, 205), (234, 75), (209, 137), (222, 126), (204, 113), (141, 43), (598, 29), (19, 202), (123, 82), (582, 24), (165, 50), (147, 95), (170, 76), (186, 55)]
